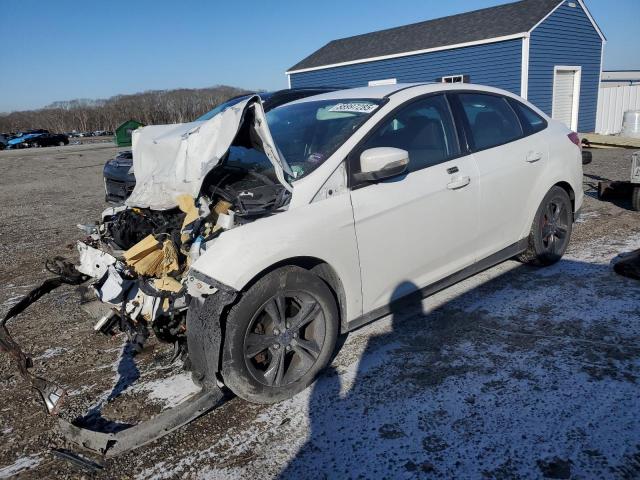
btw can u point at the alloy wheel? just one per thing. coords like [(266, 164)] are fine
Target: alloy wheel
[(284, 338), (555, 227)]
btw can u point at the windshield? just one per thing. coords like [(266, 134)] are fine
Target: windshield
[(223, 106), (308, 133)]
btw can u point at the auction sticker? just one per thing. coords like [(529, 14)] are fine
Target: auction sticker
[(354, 107)]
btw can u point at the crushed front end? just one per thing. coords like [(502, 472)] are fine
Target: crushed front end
[(134, 265)]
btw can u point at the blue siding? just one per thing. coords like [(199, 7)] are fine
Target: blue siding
[(496, 64), (567, 37)]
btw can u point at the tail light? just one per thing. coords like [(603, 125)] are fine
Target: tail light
[(573, 136)]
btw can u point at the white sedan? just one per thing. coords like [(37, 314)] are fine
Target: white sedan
[(392, 190)]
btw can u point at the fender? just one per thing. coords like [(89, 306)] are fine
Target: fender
[(238, 255), (565, 167)]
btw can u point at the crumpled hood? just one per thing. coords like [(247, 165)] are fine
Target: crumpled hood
[(172, 160)]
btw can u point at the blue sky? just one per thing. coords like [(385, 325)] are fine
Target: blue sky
[(64, 49)]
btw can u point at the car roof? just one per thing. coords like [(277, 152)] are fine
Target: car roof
[(385, 91)]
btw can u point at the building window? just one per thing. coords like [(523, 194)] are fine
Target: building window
[(454, 79)]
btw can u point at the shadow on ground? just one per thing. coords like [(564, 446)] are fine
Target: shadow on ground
[(534, 373)]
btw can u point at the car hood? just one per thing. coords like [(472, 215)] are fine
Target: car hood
[(173, 160)]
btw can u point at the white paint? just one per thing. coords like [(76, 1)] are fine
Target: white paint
[(524, 69), (413, 52), (20, 465), (386, 81), (612, 103), (566, 95), (394, 220)]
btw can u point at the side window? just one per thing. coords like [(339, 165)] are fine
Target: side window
[(530, 120), (492, 121), (424, 128)]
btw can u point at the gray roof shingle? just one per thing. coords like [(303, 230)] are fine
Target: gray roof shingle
[(482, 24)]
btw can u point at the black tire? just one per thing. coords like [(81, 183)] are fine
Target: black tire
[(551, 229), (266, 359), (61, 143), (635, 199)]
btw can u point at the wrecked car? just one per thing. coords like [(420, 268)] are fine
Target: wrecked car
[(253, 239)]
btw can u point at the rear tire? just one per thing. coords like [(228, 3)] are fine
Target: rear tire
[(551, 229), (279, 336), (61, 144)]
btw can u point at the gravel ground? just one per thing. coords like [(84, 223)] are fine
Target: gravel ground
[(516, 372)]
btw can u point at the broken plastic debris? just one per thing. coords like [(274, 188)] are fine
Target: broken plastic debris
[(93, 262)]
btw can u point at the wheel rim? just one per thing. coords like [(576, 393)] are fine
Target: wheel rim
[(284, 338), (555, 227)]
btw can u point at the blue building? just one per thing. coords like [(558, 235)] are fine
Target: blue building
[(547, 51)]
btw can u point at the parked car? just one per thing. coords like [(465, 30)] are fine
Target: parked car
[(119, 177), (3, 141), (47, 140)]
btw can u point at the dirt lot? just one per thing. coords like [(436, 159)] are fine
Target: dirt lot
[(516, 372)]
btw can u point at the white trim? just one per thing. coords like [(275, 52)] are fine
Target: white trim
[(289, 81), (584, 9), (414, 52), (593, 22), (524, 69), (385, 81), (599, 84), (546, 16), (575, 108)]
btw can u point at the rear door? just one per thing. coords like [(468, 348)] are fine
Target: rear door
[(509, 159), (419, 227)]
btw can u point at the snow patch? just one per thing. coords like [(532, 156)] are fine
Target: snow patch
[(169, 391), (51, 352), (20, 465)]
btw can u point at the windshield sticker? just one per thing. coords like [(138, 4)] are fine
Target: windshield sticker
[(354, 107)]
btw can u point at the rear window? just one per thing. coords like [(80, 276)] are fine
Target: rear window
[(530, 120), (492, 121)]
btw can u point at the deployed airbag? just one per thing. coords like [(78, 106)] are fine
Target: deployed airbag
[(173, 160)]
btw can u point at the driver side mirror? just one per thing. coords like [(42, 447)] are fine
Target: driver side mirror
[(380, 163)]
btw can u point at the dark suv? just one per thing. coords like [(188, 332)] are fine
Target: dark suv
[(47, 140)]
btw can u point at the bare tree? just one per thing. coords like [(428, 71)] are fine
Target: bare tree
[(154, 107)]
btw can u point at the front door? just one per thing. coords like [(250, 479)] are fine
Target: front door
[(419, 227)]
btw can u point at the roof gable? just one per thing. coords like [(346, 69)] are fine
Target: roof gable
[(494, 22)]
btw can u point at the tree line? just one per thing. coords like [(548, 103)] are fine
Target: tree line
[(155, 107)]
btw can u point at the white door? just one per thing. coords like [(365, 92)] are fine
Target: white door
[(566, 95), (509, 163), (419, 227)]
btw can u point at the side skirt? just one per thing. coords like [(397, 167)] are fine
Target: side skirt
[(490, 261)]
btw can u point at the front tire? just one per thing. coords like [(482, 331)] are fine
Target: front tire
[(551, 229), (279, 336)]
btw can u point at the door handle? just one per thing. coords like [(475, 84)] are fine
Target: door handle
[(533, 157), (459, 182)]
